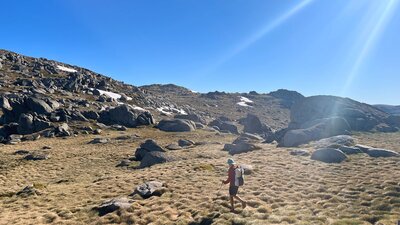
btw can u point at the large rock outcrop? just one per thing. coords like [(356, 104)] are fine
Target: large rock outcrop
[(319, 117)]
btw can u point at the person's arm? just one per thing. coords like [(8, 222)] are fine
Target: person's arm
[(229, 176)]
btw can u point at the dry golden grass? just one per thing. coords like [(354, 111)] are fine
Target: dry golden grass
[(283, 189)]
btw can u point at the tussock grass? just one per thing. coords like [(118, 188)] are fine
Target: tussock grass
[(284, 189)]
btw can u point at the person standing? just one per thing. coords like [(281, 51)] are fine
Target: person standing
[(233, 184)]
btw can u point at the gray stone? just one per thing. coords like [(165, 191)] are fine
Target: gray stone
[(99, 141), (185, 143), (145, 118), (335, 142), (350, 150), (146, 147), (152, 158), (324, 128), (176, 125), (223, 125), (28, 191), (376, 152), (124, 163), (148, 189), (240, 148), (328, 155), (113, 205), (299, 152), (193, 117), (363, 148), (25, 124), (39, 106), (173, 147), (37, 156), (151, 146), (252, 124), (62, 130)]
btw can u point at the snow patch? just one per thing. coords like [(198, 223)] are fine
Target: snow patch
[(244, 102), (138, 108), (170, 110), (111, 94), (244, 99), (66, 69)]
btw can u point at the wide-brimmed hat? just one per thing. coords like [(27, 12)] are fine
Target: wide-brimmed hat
[(231, 161)]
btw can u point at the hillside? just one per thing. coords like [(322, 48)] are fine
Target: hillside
[(78, 147), (391, 109)]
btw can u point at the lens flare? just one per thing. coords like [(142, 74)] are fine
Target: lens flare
[(375, 30)]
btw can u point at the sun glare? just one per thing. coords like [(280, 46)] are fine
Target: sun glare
[(375, 28)]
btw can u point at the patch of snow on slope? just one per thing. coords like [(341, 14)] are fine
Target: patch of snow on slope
[(138, 108), (244, 99), (170, 110), (66, 69), (111, 94), (244, 102)]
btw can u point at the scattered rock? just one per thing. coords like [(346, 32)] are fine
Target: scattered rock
[(185, 143), (21, 152), (176, 125), (37, 156), (62, 130), (350, 150), (328, 155), (151, 188), (363, 148), (152, 158), (28, 191), (99, 141), (241, 147), (145, 118), (376, 152), (97, 131), (173, 147), (252, 124), (299, 152), (224, 125), (124, 162), (193, 117), (113, 205)]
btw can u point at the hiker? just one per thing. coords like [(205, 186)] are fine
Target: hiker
[(235, 179)]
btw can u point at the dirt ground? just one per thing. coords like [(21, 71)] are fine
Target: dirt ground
[(282, 189)]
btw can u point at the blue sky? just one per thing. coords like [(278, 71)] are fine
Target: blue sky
[(341, 47)]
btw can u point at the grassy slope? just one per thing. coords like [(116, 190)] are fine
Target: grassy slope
[(283, 189)]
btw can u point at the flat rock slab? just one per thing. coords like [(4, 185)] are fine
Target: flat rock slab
[(363, 148), (376, 152), (113, 205), (328, 155)]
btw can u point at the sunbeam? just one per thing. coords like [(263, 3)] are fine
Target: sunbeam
[(261, 33), (374, 32)]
